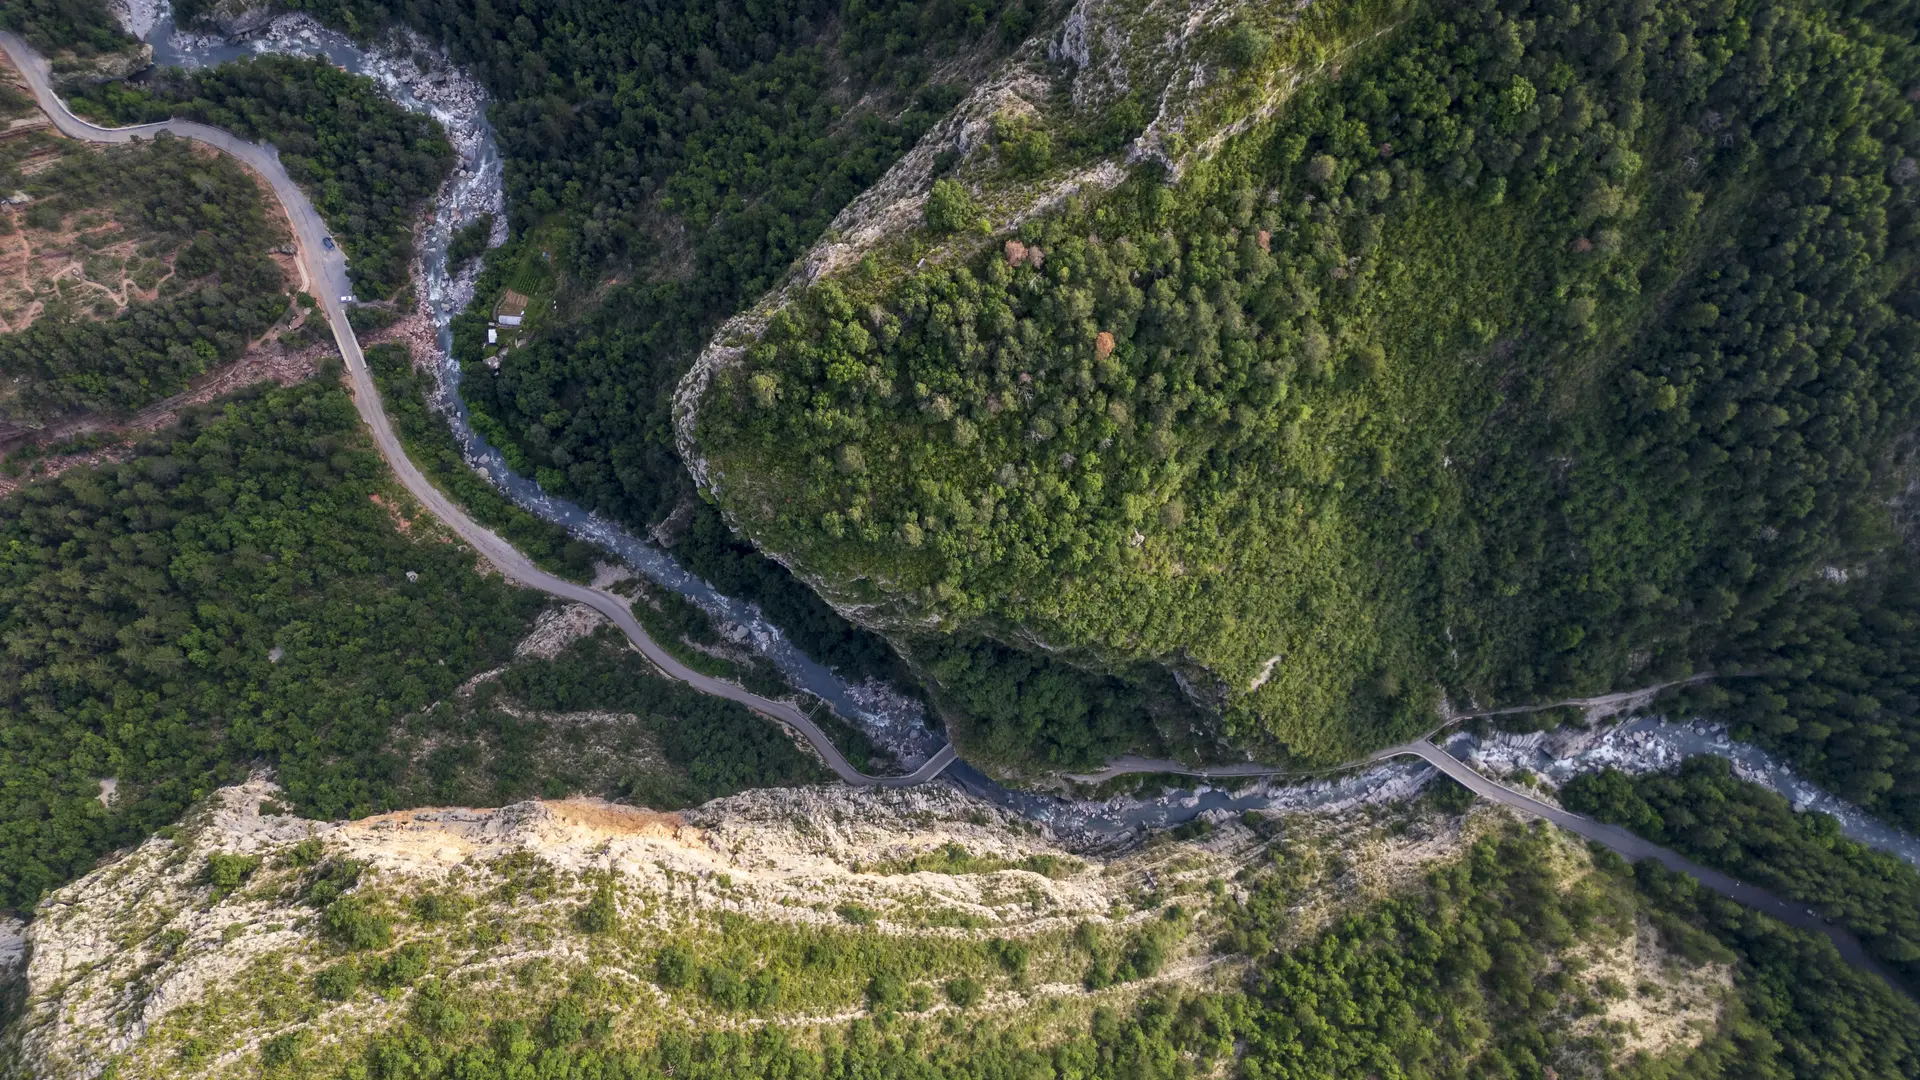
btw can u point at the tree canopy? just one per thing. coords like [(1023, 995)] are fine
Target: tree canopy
[(200, 236), (367, 164), (1544, 351), (1748, 831), (236, 593)]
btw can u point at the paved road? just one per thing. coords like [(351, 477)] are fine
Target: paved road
[(1130, 765), (1636, 848), (328, 271)]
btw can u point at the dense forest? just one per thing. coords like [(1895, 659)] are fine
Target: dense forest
[(1544, 351), (81, 27), (687, 747), (199, 237), (232, 595), (406, 393), (368, 165), (1802, 1011), (1831, 678), (1753, 834), (247, 590), (1022, 711), (1472, 975), (694, 150), (726, 118)]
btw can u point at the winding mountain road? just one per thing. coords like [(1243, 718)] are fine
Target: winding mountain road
[(1635, 848), (327, 268)]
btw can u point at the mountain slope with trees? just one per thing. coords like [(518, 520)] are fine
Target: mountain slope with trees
[(582, 939), (367, 164), (188, 228), (1526, 349), (234, 594), (1748, 831), (664, 166)]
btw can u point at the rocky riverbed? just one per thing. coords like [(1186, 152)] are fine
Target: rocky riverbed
[(1650, 744)]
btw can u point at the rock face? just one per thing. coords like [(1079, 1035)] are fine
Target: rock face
[(108, 67), (247, 942), (147, 962), (234, 19)]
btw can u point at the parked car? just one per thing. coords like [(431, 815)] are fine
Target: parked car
[(327, 242), (348, 299)]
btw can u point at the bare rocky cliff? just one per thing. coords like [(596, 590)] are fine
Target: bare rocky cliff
[(247, 941), (205, 945)]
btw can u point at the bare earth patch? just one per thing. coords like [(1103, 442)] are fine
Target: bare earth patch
[(1658, 1002), (401, 524), (89, 265)]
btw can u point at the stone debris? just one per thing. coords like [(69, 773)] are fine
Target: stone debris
[(13, 946), (557, 628), (895, 722)]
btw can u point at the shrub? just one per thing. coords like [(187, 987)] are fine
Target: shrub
[(352, 921), (1245, 44), (950, 209), (1022, 147), (725, 988), (963, 991), (674, 968), (567, 1022), (1449, 795), (886, 991), (764, 990), (337, 983), (434, 1013), (403, 967), (600, 914), (440, 907), (468, 244), (227, 872), (1012, 955), (335, 878), (281, 1050)]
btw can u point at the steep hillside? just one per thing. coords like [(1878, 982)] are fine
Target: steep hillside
[(1344, 359), (817, 932), (80, 37), (248, 586)]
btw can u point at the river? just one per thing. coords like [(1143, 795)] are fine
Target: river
[(417, 75)]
